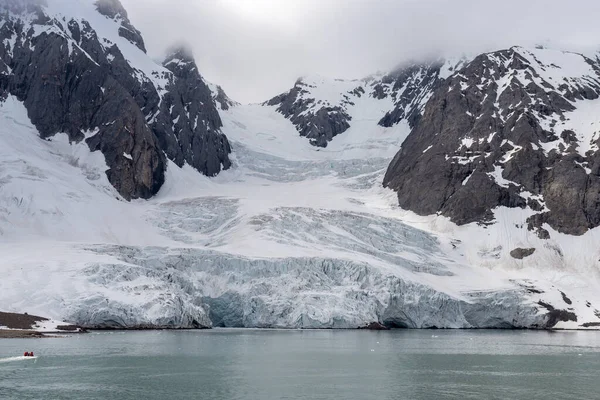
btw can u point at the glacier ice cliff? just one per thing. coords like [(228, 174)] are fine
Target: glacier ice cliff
[(193, 288)]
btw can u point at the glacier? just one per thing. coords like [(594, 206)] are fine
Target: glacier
[(291, 237)]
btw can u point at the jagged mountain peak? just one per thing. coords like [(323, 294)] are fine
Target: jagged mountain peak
[(220, 97), (57, 12), (322, 108), (180, 52), (114, 9), (111, 8), (181, 62), (84, 68), (506, 131)]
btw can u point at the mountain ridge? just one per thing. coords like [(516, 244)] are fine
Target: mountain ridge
[(522, 114), (133, 80)]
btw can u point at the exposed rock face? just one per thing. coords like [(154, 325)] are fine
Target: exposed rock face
[(320, 121), (113, 9), (505, 130), (65, 90), (410, 87), (222, 99), (520, 253), (322, 109), (92, 85), (375, 326), (554, 315), (19, 321), (188, 125)]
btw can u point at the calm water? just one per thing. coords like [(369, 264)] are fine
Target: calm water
[(248, 364)]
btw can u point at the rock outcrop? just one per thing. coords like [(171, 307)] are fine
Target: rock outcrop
[(319, 120), (506, 131), (520, 253), (410, 87), (323, 108), (188, 124), (89, 76), (114, 10)]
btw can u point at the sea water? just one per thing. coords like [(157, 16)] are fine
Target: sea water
[(253, 364)]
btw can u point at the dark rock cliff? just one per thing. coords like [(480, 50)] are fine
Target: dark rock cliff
[(72, 80), (497, 133), (410, 86), (317, 122), (407, 89), (188, 125), (114, 10)]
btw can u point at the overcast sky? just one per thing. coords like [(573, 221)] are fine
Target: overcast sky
[(256, 49)]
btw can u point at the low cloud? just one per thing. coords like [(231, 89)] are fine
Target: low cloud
[(256, 49)]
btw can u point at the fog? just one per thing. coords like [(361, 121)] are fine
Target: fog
[(256, 49)]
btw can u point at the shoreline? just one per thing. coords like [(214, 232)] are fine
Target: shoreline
[(26, 326), (30, 334), (20, 334)]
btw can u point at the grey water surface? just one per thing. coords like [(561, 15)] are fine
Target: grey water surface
[(226, 364)]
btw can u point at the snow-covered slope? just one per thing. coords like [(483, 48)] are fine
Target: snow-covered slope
[(323, 108), (293, 236)]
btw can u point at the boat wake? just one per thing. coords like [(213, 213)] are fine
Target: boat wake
[(14, 359)]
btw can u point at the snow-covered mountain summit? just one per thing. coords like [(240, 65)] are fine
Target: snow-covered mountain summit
[(322, 108), (514, 128), (80, 67), (291, 234)]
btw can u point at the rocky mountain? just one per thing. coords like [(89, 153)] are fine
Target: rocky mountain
[(321, 108), (515, 128), (81, 68), (188, 124)]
